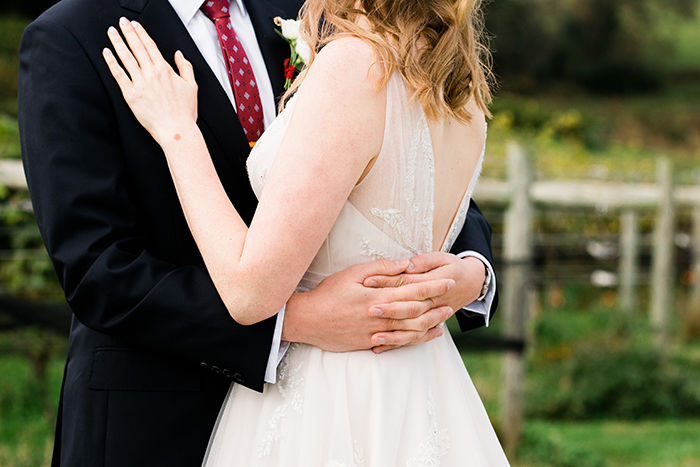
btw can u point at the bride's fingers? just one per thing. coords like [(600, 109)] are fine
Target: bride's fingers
[(136, 45), (184, 68), (119, 74), (148, 43), (124, 54)]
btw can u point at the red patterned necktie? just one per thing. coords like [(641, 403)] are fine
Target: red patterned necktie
[(240, 72)]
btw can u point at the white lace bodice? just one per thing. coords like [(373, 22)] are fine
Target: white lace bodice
[(389, 214)]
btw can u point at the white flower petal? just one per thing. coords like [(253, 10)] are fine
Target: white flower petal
[(290, 29), (303, 50)]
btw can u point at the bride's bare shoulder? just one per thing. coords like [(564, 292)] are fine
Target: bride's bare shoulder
[(346, 64)]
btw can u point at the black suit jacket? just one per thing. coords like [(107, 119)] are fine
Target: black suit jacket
[(152, 348)]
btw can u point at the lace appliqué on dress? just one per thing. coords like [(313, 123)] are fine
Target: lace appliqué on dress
[(358, 459), (366, 249), (398, 224), (288, 384), (436, 446)]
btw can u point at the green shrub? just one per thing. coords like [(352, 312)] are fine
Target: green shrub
[(9, 138), (607, 369), (547, 123), (11, 28)]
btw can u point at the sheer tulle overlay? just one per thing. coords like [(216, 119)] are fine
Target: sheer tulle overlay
[(415, 406)]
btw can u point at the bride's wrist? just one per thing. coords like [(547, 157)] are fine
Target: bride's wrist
[(176, 134)]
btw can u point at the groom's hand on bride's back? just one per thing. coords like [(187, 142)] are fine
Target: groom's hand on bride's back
[(468, 274), (342, 314)]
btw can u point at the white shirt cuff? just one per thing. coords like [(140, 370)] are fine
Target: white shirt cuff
[(482, 307), (279, 348)]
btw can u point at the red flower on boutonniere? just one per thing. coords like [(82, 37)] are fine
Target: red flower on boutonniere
[(289, 70), (300, 51)]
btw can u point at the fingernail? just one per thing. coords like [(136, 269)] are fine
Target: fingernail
[(106, 51), (112, 30), (411, 267), (123, 21), (135, 24), (178, 54), (380, 341), (450, 284), (439, 332), (375, 312), (372, 284)]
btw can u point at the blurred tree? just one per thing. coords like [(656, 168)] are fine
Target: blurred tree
[(607, 46), (524, 41), (613, 47)]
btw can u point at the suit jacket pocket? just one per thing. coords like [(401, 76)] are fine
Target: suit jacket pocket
[(118, 369)]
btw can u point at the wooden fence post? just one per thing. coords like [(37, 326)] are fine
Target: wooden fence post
[(629, 259), (517, 258), (662, 261)]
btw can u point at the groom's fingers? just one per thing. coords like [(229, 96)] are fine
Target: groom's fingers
[(423, 265), (392, 340), (382, 267), (403, 309), (418, 292), (422, 323), (411, 301), (417, 338)]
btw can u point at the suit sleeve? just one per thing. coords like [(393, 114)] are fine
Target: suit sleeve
[(78, 180), (475, 236)]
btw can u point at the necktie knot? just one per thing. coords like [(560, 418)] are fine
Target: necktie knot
[(215, 9)]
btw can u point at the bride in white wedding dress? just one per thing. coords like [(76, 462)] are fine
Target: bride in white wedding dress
[(375, 156)]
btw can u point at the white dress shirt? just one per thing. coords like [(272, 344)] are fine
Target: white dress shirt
[(203, 33)]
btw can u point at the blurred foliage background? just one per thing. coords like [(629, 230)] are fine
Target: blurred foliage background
[(595, 89)]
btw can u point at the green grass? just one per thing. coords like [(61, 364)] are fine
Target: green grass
[(26, 426), (666, 443), (656, 443)]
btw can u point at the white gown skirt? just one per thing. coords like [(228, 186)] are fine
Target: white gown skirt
[(413, 406)]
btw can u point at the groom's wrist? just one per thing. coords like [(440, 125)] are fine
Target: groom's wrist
[(294, 327), (475, 273)]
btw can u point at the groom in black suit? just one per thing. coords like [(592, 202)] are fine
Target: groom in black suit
[(152, 348)]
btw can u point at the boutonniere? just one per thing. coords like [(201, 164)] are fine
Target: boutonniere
[(300, 51)]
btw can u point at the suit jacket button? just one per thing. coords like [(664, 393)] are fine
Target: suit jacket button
[(227, 373), (237, 377), (216, 370), (204, 365)]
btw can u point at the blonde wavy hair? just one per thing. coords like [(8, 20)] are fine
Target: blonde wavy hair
[(437, 46)]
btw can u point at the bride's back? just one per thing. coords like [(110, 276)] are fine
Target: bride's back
[(457, 149), (435, 47)]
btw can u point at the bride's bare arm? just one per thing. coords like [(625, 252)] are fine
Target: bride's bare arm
[(336, 129)]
